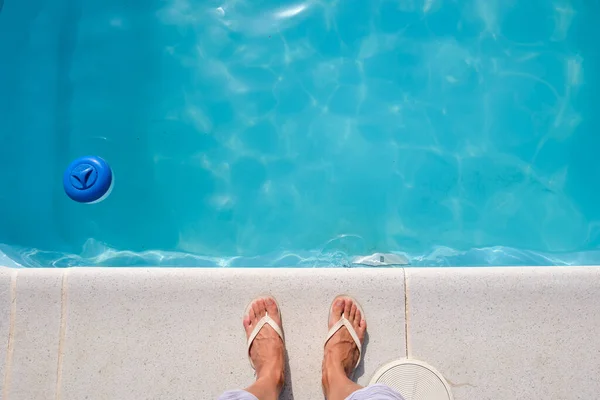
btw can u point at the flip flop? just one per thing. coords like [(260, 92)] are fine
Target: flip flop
[(344, 322), (266, 320)]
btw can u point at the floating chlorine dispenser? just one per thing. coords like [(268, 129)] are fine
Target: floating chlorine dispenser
[(88, 180)]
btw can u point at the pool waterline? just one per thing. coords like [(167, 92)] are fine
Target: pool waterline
[(97, 254)]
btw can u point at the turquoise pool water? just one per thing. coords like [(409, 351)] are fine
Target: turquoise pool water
[(254, 133)]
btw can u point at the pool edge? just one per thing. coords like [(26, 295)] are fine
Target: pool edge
[(481, 327)]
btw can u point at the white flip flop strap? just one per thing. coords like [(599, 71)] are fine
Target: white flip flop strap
[(266, 320), (337, 326)]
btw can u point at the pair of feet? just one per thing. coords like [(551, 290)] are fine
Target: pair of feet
[(340, 355)]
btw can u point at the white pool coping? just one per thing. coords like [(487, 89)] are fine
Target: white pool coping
[(124, 333)]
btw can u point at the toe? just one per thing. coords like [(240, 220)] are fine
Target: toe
[(352, 313), (256, 309), (262, 305), (336, 311), (247, 324), (338, 307), (357, 316), (271, 307), (361, 329), (347, 307)]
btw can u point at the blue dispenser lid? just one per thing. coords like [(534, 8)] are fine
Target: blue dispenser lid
[(87, 179)]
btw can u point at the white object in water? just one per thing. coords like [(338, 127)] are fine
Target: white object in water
[(414, 380), (381, 260)]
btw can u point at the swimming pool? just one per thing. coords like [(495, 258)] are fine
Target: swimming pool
[(259, 133)]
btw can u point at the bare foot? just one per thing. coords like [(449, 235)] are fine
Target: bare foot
[(267, 350), (341, 352)]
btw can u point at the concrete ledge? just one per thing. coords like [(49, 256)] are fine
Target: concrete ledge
[(7, 293), (104, 333), (508, 333), (177, 333)]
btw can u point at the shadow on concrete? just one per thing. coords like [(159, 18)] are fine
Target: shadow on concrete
[(287, 393)]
